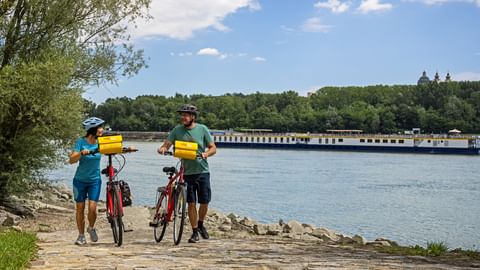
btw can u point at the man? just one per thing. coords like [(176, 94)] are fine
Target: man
[(197, 175)]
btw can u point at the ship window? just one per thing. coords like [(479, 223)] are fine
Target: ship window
[(340, 140), (241, 139), (362, 140), (429, 141), (377, 140), (246, 139), (263, 139), (258, 139), (230, 138), (384, 141), (275, 139), (320, 140), (333, 141), (400, 141), (393, 141), (215, 138), (288, 140), (281, 139), (269, 139), (326, 140), (369, 140), (236, 138)]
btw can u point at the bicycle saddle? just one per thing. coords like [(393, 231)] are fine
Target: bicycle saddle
[(169, 170), (105, 171)]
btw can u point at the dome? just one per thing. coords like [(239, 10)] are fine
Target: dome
[(424, 79)]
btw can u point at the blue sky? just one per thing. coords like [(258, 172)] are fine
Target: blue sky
[(215, 47)]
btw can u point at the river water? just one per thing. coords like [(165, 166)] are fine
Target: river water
[(409, 198)]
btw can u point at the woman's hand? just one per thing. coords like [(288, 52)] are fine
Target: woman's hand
[(84, 152)]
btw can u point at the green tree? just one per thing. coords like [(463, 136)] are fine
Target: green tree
[(49, 51)]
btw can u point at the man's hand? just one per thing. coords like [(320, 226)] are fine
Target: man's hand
[(162, 150)]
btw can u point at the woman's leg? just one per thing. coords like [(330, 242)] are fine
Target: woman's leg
[(81, 217)]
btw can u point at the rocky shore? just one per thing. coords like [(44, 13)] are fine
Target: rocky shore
[(236, 242)]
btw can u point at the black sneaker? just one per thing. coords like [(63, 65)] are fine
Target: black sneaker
[(194, 238), (203, 232)]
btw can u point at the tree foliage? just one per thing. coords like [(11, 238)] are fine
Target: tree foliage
[(376, 109), (49, 51)]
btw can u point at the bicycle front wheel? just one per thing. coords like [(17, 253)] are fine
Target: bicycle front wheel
[(116, 218), (179, 213), (160, 219)]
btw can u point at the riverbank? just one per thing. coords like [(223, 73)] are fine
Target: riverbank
[(236, 242)]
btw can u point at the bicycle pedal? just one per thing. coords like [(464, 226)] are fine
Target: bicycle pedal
[(153, 224)]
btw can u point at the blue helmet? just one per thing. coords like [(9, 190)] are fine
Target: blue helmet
[(92, 122)]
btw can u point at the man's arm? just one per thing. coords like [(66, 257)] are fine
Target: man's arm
[(212, 150), (164, 148)]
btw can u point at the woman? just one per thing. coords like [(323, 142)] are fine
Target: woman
[(87, 180)]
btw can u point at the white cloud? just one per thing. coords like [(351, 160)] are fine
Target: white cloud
[(315, 25), (179, 19), (440, 2), (373, 6), (259, 59), (208, 52), (335, 6), (466, 76)]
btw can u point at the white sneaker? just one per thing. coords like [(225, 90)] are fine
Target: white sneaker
[(93, 234), (81, 240)]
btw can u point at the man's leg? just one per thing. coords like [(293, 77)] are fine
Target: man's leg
[(192, 215), (204, 197)]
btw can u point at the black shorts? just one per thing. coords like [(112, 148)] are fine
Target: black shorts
[(198, 188)]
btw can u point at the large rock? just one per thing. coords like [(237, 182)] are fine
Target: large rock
[(274, 229), (293, 227), (359, 239), (260, 229), (248, 222), (8, 219), (326, 235)]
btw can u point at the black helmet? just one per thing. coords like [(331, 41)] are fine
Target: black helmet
[(188, 108)]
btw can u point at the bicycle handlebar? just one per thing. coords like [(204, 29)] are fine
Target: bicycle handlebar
[(170, 153), (124, 150)]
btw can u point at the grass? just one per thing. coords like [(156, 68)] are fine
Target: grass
[(16, 249), (433, 249)]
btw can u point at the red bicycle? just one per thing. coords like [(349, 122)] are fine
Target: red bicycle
[(114, 200), (171, 204)]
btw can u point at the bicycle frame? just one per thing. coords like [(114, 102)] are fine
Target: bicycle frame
[(178, 179), (110, 183)]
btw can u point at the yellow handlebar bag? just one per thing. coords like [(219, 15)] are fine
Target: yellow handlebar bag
[(185, 150), (110, 144)]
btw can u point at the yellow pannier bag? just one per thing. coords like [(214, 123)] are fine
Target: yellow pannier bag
[(110, 144), (185, 150)]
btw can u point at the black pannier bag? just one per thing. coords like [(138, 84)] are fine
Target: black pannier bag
[(126, 194)]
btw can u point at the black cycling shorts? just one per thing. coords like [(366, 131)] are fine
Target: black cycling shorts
[(198, 188)]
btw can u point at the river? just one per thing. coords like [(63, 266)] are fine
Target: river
[(409, 198)]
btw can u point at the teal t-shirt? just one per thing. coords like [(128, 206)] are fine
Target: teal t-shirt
[(88, 169), (199, 134)]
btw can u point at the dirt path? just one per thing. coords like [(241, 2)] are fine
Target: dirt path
[(235, 251)]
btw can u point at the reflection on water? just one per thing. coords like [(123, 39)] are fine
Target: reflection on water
[(410, 198)]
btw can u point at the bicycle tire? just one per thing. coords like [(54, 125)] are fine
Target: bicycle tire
[(179, 213), (160, 217), (116, 219)]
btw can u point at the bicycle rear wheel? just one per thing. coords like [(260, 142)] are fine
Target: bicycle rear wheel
[(160, 219), (179, 213), (116, 219)]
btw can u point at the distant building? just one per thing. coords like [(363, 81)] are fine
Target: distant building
[(424, 78)]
